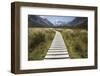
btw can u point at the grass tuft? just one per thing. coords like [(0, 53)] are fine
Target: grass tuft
[(39, 41), (76, 42)]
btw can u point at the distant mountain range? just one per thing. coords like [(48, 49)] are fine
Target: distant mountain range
[(37, 21), (78, 22)]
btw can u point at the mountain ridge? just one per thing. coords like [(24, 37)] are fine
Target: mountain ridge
[(36, 21)]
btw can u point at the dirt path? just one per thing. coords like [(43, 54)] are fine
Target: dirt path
[(57, 49)]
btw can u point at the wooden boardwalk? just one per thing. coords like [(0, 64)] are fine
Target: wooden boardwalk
[(57, 49)]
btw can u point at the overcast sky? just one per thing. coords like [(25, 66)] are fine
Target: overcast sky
[(58, 19)]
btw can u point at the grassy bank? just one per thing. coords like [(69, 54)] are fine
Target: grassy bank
[(76, 42), (39, 40)]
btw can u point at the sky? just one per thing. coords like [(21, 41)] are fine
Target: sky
[(59, 19)]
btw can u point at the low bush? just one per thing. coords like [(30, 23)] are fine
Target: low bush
[(76, 41), (39, 41)]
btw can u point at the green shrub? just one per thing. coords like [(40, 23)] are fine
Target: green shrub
[(39, 41), (76, 42)]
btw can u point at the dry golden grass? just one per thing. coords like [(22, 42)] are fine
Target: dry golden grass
[(39, 41), (76, 41)]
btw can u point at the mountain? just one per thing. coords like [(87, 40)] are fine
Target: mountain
[(80, 22), (37, 21)]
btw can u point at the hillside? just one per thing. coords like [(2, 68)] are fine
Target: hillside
[(37, 21), (80, 22)]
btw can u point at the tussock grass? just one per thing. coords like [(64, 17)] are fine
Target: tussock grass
[(39, 41), (76, 42)]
